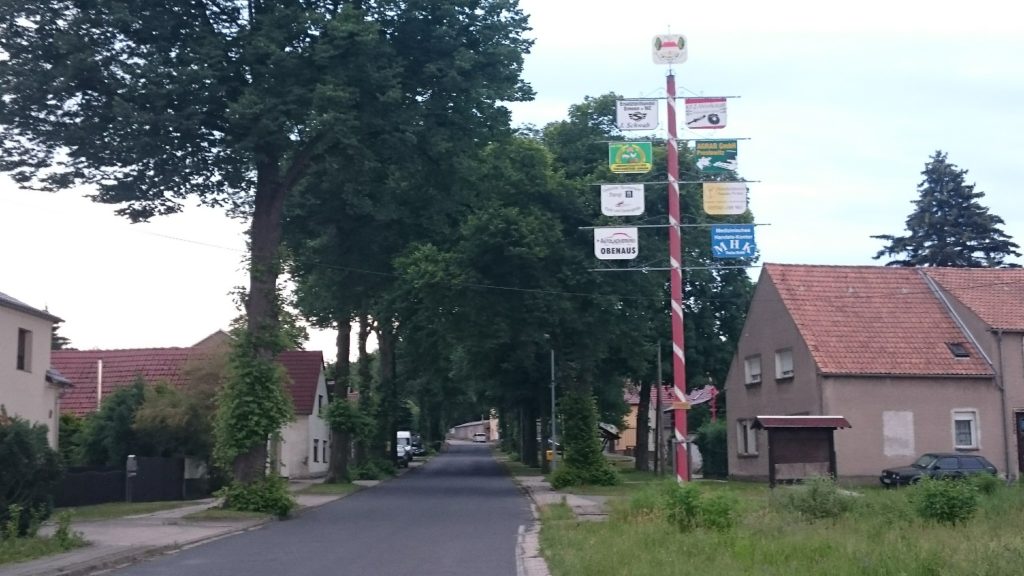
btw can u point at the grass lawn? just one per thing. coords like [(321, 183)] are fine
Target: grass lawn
[(881, 535), (331, 489), (514, 467), (120, 509), (214, 514), (24, 549)]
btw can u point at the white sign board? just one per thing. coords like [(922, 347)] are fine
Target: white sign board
[(616, 243), (725, 198), (705, 113), (669, 49), (622, 199), (636, 114)]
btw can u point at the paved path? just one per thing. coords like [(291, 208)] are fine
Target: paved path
[(458, 515)]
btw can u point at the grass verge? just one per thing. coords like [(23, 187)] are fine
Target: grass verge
[(120, 509), (25, 549), (331, 489), (215, 514)]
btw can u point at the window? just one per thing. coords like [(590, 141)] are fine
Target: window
[(746, 438), (319, 403), (24, 361), (316, 450), (784, 363), (971, 463), (948, 463), (959, 349), (965, 429), (325, 452), (752, 369)]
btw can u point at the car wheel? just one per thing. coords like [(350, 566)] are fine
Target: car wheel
[(914, 480)]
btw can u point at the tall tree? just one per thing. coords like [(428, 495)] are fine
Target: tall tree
[(949, 226), (57, 340), (235, 103)]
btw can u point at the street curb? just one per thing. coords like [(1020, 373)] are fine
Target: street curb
[(529, 561)]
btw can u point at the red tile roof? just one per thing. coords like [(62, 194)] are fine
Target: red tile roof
[(631, 394), (996, 295), (872, 320), (121, 367)]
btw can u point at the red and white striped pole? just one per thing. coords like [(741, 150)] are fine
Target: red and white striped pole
[(675, 249)]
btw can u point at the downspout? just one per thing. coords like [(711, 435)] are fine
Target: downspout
[(99, 383), (1002, 399)]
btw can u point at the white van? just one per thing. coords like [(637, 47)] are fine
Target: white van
[(404, 441)]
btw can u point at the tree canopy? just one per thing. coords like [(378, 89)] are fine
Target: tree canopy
[(949, 226)]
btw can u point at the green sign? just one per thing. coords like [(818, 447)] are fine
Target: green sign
[(715, 156), (630, 157)]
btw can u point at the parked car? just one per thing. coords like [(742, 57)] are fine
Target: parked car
[(404, 439), (417, 446), (480, 437), (937, 465)]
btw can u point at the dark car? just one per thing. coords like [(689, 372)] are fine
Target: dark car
[(417, 446), (937, 465)]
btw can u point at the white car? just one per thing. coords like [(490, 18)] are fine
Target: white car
[(479, 437)]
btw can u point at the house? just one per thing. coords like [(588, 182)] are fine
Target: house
[(29, 388), (914, 359), (626, 444), (302, 446)]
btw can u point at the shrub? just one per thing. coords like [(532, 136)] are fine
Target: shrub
[(718, 511), (986, 484), (712, 438), (819, 499), (268, 496), (583, 464), (65, 537), (945, 501), (29, 472), (644, 504), (682, 506)]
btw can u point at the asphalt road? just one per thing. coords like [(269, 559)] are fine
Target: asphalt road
[(457, 515)]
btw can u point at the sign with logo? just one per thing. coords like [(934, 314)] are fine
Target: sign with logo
[(669, 49), (733, 241), (636, 114), (715, 156), (616, 243), (725, 198), (630, 157), (704, 113), (622, 199)]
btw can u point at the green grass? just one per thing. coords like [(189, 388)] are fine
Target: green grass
[(119, 509), (215, 514), (514, 467), (24, 549), (331, 489), (880, 536)]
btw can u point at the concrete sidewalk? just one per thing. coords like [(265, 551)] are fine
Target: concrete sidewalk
[(123, 541)]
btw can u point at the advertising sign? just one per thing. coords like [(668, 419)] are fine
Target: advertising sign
[(636, 114), (630, 157), (715, 156), (616, 243), (733, 241), (669, 49), (725, 198), (702, 113), (622, 199)]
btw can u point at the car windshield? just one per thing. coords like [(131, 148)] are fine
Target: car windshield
[(924, 461)]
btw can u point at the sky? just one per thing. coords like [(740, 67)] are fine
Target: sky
[(842, 104)]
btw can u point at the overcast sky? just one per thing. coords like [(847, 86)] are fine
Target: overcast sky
[(843, 105)]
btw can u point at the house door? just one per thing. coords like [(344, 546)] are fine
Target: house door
[(1019, 417)]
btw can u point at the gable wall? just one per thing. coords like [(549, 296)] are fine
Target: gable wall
[(27, 394)]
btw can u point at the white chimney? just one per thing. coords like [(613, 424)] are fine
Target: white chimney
[(99, 383)]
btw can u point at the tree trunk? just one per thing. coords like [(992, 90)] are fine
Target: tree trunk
[(643, 426), (341, 447), (261, 302), (365, 386), (386, 340), (341, 443), (343, 366), (530, 435)]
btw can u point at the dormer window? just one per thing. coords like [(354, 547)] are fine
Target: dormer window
[(959, 349)]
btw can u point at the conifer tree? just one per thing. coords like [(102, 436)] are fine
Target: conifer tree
[(949, 227)]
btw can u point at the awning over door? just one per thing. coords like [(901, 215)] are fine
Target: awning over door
[(833, 422)]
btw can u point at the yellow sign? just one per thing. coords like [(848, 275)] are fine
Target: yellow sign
[(725, 198)]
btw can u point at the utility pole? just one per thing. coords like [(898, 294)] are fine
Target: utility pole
[(657, 417), (554, 417)]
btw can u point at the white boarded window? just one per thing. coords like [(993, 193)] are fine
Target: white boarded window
[(752, 369), (898, 433), (746, 438), (784, 363), (965, 429)]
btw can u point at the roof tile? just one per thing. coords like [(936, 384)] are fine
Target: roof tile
[(996, 295)]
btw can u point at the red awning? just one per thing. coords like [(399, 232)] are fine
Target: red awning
[(801, 422)]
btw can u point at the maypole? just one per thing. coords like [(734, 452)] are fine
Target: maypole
[(675, 249)]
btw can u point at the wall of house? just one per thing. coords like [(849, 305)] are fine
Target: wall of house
[(26, 393), (768, 328), (296, 448), (627, 437), (1006, 353), (318, 430), (894, 420)]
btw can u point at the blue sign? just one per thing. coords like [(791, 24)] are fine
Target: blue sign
[(733, 241)]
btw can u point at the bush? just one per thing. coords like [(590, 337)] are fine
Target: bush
[(819, 499), (268, 496), (645, 504), (29, 473), (945, 501), (986, 484), (712, 438), (65, 537), (583, 464), (682, 506), (374, 470), (718, 512)]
